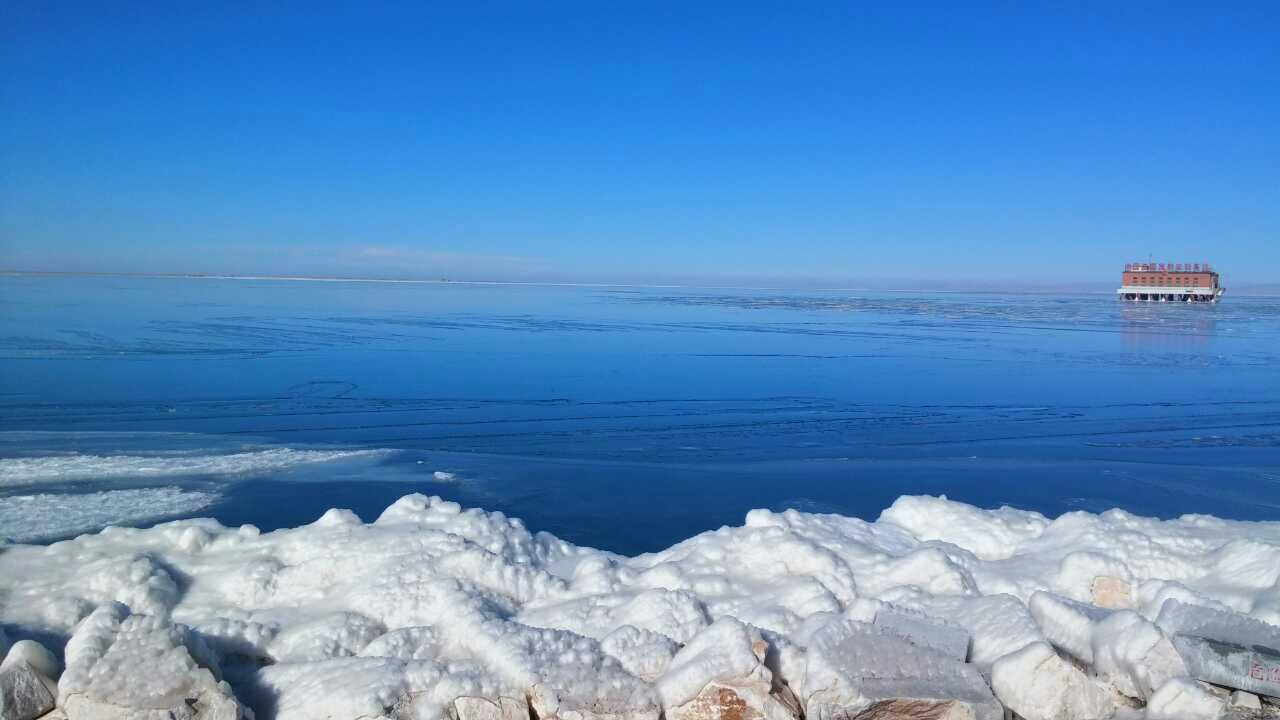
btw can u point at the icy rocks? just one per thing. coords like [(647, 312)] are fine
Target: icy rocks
[(924, 631), (900, 709), (478, 708), (23, 693), (1246, 701), (437, 611), (1129, 652), (859, 669), (721, 675), (1039, 685), (1248, 668), (615, 703), (35, 655), (139, 667), (1109, 591), (1183, 699)]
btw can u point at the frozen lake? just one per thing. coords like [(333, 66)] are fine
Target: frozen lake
[(621, 418)]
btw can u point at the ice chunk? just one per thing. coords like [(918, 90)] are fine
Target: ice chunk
[(1183, 699), (1039, 685)]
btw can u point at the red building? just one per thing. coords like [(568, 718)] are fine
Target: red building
[(1170, 282)]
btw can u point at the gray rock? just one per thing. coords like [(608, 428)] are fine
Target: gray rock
[(870, 669), (925, 631), (23, 694), (1245, 701), (1179, 618), (39, 658), (1254, 668)]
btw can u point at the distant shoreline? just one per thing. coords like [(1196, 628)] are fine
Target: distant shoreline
[(1246, 291)]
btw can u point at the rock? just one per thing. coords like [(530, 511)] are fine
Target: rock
[(900, 709), (569, 705), (1183, 699), (1179, 618), (1245, 701), (858, 668), (23, 693), (1037, 684), (1109, 591), (925, 631), (1254, 668), (721, 675), (39, 658), (102, 680), (1125, 649), (1134, 655), (477, 708)]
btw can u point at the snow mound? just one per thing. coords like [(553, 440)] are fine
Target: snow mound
[(937, 608)]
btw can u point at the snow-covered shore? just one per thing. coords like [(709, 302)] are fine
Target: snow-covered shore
[(435, 611)]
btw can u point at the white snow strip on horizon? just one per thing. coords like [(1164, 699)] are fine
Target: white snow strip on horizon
[(56, 468), (25, 518)]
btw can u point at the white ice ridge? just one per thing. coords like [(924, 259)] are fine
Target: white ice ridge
[(59, 468), (434, 611), (24, 518)]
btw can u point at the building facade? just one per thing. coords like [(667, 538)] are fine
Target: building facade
[(1170, 282)]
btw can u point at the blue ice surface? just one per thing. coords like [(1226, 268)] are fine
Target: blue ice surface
[(630, 418)]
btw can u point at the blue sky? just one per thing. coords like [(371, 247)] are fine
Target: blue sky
[(692, 142)]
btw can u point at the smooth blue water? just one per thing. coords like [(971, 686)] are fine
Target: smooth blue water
[(630, 418)]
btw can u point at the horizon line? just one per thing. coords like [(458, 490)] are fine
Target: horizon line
[(565, 283)]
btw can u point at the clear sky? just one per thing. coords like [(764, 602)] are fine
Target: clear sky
[(684, 141)]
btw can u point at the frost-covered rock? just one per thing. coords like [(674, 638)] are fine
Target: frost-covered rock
[(141, 667), (1253, 668), (1184, 699), (1246, 701), (920, 629), (478, 708), (1039, 685), (35, 655), (1124, 648), (23, 693), (853, 668), (721, 675), (1109, 591)]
